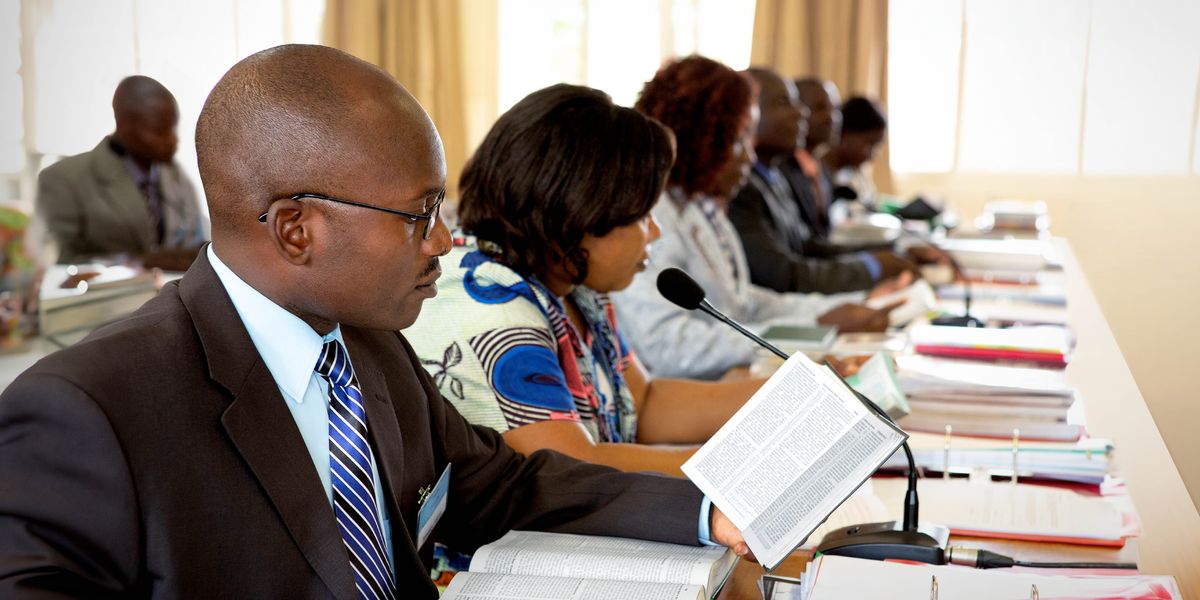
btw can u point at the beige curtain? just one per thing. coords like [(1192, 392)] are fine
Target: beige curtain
[(841, 40), (443, 51)]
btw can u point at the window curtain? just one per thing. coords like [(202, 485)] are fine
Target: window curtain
[(841, 40), (442, 51)]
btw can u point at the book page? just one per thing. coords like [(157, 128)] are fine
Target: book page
[(491, 586), (790, 456), (596, 557), (876, 380), (918, 300)]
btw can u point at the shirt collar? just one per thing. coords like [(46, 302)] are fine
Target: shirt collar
[(288, 346), (764, 171)]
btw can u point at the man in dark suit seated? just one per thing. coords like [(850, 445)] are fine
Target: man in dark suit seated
[(260, 429), (806, 173), (125, 196), (768, 216)]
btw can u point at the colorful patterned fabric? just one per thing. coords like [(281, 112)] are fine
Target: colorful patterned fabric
[(502, 349)]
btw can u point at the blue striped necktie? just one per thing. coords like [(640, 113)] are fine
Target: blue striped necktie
[(350, 461)]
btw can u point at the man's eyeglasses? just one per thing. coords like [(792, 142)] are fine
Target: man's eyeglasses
[(429, 217)]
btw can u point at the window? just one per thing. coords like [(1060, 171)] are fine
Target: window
[(1092, 87), (80, 50), (12, 128), (613, 45)]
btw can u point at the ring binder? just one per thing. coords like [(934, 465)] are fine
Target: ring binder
[(933, 589), (1016, 447), (946, 452)]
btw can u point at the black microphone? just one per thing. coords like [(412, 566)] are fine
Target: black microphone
[(843, 192), (877, 541), (679, 287)]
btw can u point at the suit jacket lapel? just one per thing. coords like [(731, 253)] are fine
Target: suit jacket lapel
[(263, 431)]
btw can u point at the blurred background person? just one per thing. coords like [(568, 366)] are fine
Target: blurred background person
[(712, 110), (127, 195), (768, 213), (808, 176), (864, 126)]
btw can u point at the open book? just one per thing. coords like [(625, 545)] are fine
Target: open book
[(801, 445), (553, 566)]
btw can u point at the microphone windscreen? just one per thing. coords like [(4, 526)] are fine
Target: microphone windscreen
[(679, 287)]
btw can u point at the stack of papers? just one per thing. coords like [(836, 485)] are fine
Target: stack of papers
[(1034, 293), (1043, 345), (981, 399), (1014, 215), (1025, 256), (995, 509), (839, 577), (1087, 461)]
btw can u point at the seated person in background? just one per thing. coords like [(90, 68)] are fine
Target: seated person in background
[(768, 217), (813, 181), (863, 128), (711, 109), (522, 338), (808, 176), (260, 429), (125, 196)]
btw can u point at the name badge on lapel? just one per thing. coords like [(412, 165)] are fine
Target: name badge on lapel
[(432, 503)]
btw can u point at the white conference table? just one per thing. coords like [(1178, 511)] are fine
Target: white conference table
[(1114, 408)]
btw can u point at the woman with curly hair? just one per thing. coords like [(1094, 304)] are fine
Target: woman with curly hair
[(712, 110), (555, 212)]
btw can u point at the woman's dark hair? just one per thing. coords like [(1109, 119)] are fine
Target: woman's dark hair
[(860, 114), (706, 104), (563, 163)]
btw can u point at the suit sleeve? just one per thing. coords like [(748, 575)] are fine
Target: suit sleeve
[(59, 208), (68, 513), (773, 264), (495, 489)]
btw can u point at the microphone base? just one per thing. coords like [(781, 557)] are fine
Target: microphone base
[(889, 541), (958, 321)]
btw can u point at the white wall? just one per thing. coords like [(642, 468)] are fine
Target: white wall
[(1138, 240)]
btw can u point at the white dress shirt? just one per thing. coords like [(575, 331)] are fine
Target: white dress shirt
[(290, 348)]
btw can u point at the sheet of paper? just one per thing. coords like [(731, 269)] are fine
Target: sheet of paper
[(837, 577), (1020, 510), (918, 300), (790, 456)]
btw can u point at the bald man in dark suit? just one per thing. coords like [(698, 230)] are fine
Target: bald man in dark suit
[(260, 430)]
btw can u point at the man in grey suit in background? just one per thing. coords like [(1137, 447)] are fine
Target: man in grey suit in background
[(126, 195)]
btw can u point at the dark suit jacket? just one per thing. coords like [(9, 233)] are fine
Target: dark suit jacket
[(806, 193), (157, 459), (91, 206), (774, 236)]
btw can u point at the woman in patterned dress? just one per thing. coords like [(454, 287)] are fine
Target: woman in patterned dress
[(555, 214)]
